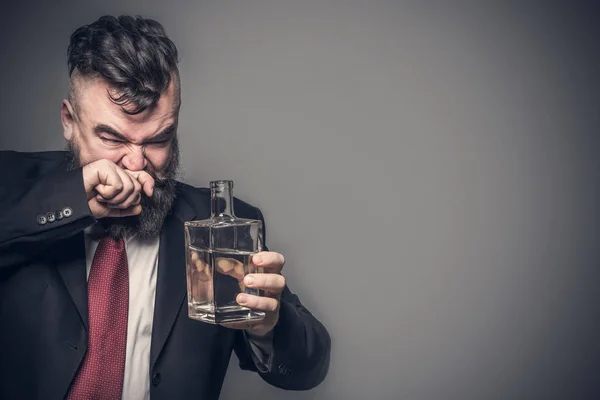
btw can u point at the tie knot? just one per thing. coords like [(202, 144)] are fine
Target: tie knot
[(112, 242), (111, 250)]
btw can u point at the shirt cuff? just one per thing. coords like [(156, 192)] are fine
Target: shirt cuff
[(262, 350)]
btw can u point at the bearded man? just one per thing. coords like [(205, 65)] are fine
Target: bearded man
[(92, 263)]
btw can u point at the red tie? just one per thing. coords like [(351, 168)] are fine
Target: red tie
[(101, 374)]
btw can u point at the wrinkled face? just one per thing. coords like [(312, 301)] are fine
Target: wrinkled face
[(97, 128), (101, 130)]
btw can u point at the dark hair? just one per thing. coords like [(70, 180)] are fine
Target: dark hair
[(133, 54)]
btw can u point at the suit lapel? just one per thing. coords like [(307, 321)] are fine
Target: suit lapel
[(71, 267), (171, 278)]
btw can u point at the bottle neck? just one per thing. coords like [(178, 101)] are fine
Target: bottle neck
[(221, 199)]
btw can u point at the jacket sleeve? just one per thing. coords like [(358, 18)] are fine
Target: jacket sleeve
[(300, 349), (39, 206)]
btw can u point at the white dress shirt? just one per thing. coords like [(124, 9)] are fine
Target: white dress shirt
[(142, 260)]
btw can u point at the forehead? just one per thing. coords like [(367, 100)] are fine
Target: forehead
[(96, 107)]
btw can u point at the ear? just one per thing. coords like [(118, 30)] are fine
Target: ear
[(67, 117)]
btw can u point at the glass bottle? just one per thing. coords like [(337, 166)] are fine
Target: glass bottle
[(219, 254)]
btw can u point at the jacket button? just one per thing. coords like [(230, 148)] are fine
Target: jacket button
[(41, 220), (156, 379), (50, 217), (284, 370), (67, 212), (58, 215)]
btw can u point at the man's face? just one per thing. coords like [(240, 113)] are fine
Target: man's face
[(97, 128), (101, 130)]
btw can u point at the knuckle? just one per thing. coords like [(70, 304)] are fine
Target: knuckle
[(129, 188)]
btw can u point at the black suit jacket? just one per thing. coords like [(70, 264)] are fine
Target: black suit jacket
[(43, 296)]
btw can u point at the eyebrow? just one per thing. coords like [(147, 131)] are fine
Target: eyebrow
[(163, 135)]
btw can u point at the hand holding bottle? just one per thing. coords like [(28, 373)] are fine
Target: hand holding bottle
[(272, 283)]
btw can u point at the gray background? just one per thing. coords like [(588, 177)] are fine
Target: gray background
[(429, 170)]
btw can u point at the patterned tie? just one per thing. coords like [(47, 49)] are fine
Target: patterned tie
[(101, 374)]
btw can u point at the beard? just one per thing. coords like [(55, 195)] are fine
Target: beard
[(154, 209)]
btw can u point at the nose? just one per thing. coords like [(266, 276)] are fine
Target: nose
[(135, 160)]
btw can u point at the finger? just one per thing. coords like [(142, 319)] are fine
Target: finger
[(238, 271), (231, 267), (260, 303), (270, 260), (101, 210), (127, 190), (203, 275), (134, 198), (225, 265), (110, 183), (98, 209), (145, 179), (269, 282)]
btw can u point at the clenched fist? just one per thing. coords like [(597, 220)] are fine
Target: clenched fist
[(113, 191)]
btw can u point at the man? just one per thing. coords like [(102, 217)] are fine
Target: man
[(92, 263)]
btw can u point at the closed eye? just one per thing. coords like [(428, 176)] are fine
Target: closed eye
[(159, 142), (111, 141)]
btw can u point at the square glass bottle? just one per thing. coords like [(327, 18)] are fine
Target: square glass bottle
[(219, 254)]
